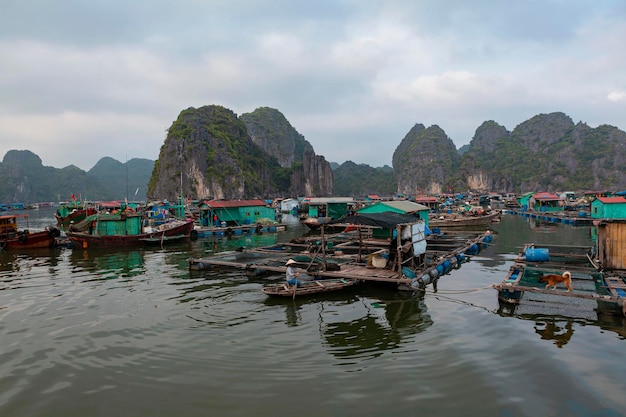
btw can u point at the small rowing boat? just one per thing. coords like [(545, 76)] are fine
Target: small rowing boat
[(308, 287)]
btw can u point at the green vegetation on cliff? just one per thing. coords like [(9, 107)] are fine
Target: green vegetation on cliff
[(355, 180)]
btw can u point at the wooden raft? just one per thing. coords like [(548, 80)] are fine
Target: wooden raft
[(563, 293), (348, 271)]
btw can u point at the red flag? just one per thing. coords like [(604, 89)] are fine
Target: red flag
[(73, 196)]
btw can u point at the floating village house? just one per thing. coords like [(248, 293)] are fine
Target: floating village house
[(289, 205), (429, 201), (405, 207), (608, 208), (398, 206), (611, 237), (523, 199), (545, 202), (234, 212), (333, 207)]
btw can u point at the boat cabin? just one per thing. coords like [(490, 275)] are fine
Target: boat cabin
[(105, 224), (8, 226)]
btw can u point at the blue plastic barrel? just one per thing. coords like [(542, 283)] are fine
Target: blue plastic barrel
[(537, 254), (408, 272), (472, 250)]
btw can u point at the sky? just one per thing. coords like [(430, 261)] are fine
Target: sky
[(81, 80)]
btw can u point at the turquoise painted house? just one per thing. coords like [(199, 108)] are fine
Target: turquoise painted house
[(335, 207), (523, 200), (608, 208), (234, 212)]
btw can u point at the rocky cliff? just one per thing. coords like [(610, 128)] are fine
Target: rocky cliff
[(311, 175), (425, 161), (208, 153), (545, 153), (273, 133)]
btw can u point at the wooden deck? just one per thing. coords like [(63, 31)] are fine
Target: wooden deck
[(350, 266)]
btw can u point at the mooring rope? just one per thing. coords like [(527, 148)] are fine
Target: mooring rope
[(466, 291)]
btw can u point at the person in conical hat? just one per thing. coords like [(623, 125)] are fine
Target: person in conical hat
[(291, 275)]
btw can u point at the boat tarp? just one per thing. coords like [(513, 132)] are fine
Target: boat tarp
[(386, 220)]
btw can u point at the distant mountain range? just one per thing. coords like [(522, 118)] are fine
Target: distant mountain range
[(26, 180), (260, 155)]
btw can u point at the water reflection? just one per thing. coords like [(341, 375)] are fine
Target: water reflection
[(552, 328), (378, 323), (514, 231), (109, 263), (17, 261), (294, 307)]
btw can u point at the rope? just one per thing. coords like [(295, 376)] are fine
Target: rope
[(467, 291), (454, 300)]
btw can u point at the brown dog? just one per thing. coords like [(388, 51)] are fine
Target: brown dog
[(554, 279)]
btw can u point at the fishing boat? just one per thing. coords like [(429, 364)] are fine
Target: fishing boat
[(14, 237), (75, 212), (127, 229), (308, 287)]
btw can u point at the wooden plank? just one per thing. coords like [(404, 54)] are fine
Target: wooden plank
[(591, 296)]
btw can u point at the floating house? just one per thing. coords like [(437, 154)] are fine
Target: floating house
[(289, 205), (611, 253), (608, 208), (234, 212), (545, 202), (322, 210), (429, 201), (420, 211), (523, 200), (405, 207)]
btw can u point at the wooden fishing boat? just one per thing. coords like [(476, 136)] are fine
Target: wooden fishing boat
[(308, 287), (507, 293), (66, 214), (465, 219), (126, 229), (14, 237)]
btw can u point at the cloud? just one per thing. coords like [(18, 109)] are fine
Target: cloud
[(617, 95), (107, 78)]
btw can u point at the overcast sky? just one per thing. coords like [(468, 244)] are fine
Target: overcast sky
[(84, 79)]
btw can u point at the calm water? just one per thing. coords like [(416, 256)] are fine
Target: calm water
[(135, 333)]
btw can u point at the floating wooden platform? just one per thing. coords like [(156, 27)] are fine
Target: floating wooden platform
[(321, 265), (571, 218), (609, 291), (206, 231)]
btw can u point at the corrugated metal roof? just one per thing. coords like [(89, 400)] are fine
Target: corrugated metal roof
[(612, 200), (326, 200), (405, 205), (546, 196)]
